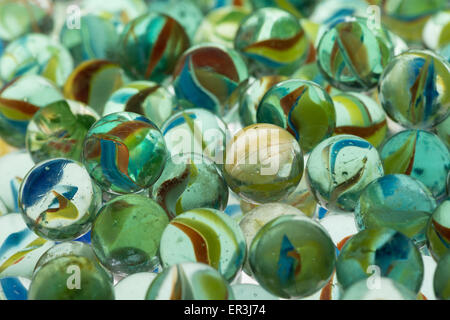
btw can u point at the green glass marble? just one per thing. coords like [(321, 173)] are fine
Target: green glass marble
[(20, 248), (58, 130), (352, 55), (383, 289), (414, 89), (385, 251), (398, 202), (299, 8), (301, 107), (36, 54), (21, 17), (124, 152), (207, 236), (127, 232), (143, 97), (273, 41), (134, 286), (438, 231), (96, 38), (361, 116), (189, 281), (58, 200), (196, 131), (221, 25), (150, 45), (436, 30), (252, 95), (247, 291), (256, 218), (339, 169), (20, 99), (57, 280), (263, 163), (183, 183), (292, 256), (421, 155), (207, 75), (441, 281)]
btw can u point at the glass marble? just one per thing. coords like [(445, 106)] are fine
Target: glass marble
[(385, 251), (144, 97), (441, 281), (36, 54), (247, 291), (58, 200), (438, 231), (196, 130), (352, 56), (207, 236), (299, 8), (189, 281), (263, 163), (414, 89), (19, 101), (20, 248), (158, 38), (398, 202), (407, 18), (96, 38), (58, 130), (206, 75), (221, 25), (385, 289), (327, 11), (361, 116), (252, 95), (190, 181), (273, 41), (443, 131), (21, 17), (134, 286), (338, 170), (93, 81), (292, 256), (14, 288), (255, 219), (126, 234), (186, 12), (55, 280), (421, 155), (13, 168), (301, 107), (124, 152)]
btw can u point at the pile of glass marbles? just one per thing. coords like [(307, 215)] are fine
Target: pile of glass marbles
[(203, 149)]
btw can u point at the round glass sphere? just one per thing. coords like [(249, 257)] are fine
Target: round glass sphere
[(338, 170), (58, 200), (414, 89), (263, 163), (124, 152), (292, 256)]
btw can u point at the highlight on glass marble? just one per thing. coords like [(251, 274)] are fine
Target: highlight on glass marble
[(124, 152)]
